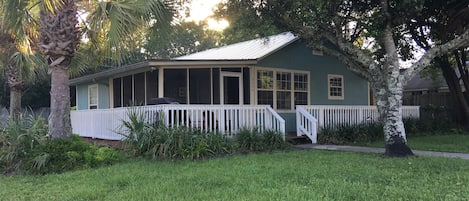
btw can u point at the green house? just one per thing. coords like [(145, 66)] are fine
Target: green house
[(280, 71)]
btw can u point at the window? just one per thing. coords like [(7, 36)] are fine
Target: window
[(93, 96), (335, 87), (301, 88), (282, 89)]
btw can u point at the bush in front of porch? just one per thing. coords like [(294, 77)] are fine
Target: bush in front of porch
[(361, 134), (146, 139), (26, 148)]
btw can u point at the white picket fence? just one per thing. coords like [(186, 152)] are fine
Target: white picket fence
[(228, 119), (310, 118)]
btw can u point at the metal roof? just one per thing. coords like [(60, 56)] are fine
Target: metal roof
[(255, 49), (247, 52)]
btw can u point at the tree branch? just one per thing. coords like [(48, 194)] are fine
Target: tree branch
[(458, 42)]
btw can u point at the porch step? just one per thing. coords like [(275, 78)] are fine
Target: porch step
[(294, 139)]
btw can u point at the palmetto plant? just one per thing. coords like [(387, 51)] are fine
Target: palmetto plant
[(19, 138)]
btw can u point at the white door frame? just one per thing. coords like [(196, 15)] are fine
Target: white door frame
[(239, 75)]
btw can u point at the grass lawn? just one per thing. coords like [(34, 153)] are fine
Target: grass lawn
[(293, 175), (446, 143)]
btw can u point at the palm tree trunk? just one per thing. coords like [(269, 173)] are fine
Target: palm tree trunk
[(59, 40), (59, 119), (16, 87)]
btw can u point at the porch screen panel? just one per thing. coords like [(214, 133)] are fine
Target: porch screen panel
[(199, 86), (127, 90), (139, 89), (152, 85), (175, 84), (216, 85), (117, 89)]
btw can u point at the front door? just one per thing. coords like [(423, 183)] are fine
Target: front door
[(231, 88)]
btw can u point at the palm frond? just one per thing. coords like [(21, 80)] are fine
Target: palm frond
[(124, 24), (30, 67)]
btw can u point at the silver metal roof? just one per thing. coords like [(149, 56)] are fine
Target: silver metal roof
[(248, 50)]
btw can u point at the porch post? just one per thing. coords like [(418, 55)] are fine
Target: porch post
[(160, 82)]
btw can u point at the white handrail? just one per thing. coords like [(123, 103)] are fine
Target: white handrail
[(332, 116), (278, 121), (306, 124)]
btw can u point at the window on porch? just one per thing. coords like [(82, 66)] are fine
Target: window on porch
[(282, 89)]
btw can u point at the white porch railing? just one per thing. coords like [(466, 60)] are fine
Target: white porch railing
[(228, 119), (332, 116), (306, 124)]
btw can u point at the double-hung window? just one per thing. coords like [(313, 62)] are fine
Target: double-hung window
[(282, 89), (335, 87)]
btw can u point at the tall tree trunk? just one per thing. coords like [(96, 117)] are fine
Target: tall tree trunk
[(16, 87), (59, 119), (389, 103), (390, 94), (461, 108), (59, 41)]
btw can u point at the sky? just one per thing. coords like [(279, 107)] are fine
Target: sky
[(201, 9)]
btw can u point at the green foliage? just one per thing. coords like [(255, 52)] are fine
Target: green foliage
[(273, 140), (351, 134), (19, 139), (65, 154), (249, 140), (371, 132), (139, 135), (145, 139)]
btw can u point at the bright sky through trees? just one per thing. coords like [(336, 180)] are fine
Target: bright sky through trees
[(202, 9)]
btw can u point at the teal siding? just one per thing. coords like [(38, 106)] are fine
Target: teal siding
[(297, 56), (82, 97), (103, 95), (290, 121)]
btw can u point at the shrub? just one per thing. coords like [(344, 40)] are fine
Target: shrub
[(249, 140), (140, 136), (273, 140), (253, 140), (19, 139), (65, 154), (370, 132), (351, 134)]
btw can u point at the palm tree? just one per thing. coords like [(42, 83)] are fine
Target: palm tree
[(109, 22), (18, 34)]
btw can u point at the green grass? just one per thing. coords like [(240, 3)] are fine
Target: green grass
[(445, 143), (293, 175)]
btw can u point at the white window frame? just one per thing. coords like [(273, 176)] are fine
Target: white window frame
[(275, 89), (90, 87), (335, 76)]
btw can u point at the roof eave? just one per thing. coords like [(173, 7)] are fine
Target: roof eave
[(157, 63)]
